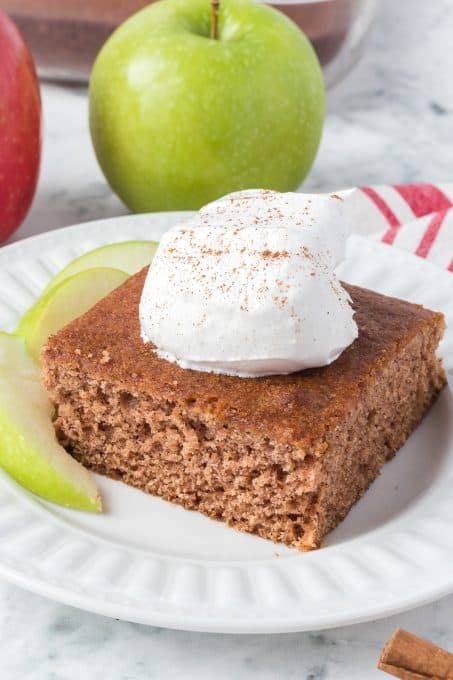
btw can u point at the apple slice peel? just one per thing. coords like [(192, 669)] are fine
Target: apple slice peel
[(128, 256), (64, 302), (29, 450)]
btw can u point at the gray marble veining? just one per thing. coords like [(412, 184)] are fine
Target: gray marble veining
[(42, 640), (390, 120)]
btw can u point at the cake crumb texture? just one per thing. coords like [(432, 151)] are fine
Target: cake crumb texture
[(283, 457)]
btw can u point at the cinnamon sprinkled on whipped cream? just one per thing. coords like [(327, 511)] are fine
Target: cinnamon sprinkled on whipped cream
[(247, 287)]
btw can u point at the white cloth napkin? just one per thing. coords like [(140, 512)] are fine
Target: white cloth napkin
[(414, 217)]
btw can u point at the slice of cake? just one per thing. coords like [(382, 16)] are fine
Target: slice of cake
[(284, 456)]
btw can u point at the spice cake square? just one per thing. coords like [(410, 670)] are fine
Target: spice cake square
[(284, 456)]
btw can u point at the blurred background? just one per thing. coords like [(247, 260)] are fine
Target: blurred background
[(389, 115), (65, 37)]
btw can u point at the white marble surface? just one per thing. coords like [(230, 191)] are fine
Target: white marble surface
[(390, 120)]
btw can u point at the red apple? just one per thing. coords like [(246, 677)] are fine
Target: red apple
[(20, 128)]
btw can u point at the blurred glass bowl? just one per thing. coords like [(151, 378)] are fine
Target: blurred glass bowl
[(337, 29), (65, 37)]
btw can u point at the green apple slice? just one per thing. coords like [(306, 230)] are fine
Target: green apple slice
[(64, 302), (129, 256), (29, 450)]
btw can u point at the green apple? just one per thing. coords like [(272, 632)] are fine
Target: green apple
[(128, 256), (29, 450), (64, 302), (179, 118)]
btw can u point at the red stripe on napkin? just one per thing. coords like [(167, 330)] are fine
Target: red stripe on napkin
[(389, 215), (423, 199), (430, 234), (426, 201)]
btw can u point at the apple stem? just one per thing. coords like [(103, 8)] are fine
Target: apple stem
[(215, 7)]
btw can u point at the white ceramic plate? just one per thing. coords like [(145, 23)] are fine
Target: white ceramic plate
[(148, 561)]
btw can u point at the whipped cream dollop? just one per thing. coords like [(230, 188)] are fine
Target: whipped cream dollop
[(247, 287)]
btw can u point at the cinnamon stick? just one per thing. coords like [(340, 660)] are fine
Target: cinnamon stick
[(409, 657)]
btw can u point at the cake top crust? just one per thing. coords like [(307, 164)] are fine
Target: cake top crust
[(105, 344)]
